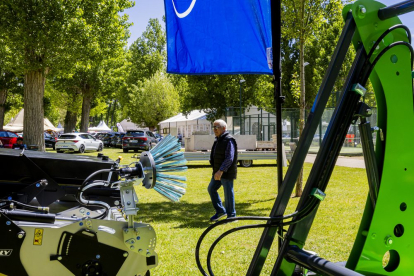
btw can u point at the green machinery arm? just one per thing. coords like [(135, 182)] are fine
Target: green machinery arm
[(388, 229), (385, 55)]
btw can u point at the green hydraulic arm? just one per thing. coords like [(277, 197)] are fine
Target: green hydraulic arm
[(387, 231)]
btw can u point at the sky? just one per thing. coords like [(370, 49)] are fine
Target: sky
[(146, 9), (141, 13)]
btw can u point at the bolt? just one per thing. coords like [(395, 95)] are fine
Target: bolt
[(138, 238), (60, 258), (373, 235), (388, 240), (140, 250), (369, 111), (98, 257), (8, 222), (96, 264), (116, 202), (82, 210), (127, 191), (126, 230), (9, 198), (132, 247), (88, 213), (80, 223), (148, 253), (129, 203), (20, 235), (362, 9), (37, 185), (125, 254)]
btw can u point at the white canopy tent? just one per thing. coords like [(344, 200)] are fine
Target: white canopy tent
[(16, 124), (101, 127), (186, 125)]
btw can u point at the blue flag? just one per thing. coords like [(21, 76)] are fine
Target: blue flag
[(219, 36)]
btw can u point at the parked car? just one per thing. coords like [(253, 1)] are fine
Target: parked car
[(79, 142), (50, 140), (115, 138), (158, 136), (118, 143), (107, 139), (138, 140), (8, 138)]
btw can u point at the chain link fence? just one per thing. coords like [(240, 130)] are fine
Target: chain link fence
[(262, 123)]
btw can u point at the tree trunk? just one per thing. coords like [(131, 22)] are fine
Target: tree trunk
[(3, 98), (33, 122), (86, 109), (70, 121), (302, 105)]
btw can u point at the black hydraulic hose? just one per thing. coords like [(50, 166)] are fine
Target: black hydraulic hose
[(399, 26), (26, 206), (398, 43), (313, 203), (29, 216), (93, 174), (305, 210), (210, 251)]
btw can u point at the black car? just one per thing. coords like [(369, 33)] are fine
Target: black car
[(50, 140), (114, 140), (138, 140), (118, 143), (107, 139)]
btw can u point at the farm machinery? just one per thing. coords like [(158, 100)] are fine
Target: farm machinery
[(94, 231)]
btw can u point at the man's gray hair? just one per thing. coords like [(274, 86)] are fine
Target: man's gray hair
[(222, 123)]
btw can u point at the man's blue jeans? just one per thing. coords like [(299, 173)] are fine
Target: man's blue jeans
[(230, 207)]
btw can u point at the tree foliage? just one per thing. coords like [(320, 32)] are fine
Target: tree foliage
[(50, 36), (153, 101), (215, 93)]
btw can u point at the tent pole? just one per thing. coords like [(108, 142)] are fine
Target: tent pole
[(258, 261)]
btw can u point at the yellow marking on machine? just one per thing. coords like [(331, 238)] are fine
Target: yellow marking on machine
[(38, 236)]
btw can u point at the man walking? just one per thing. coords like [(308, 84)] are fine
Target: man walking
[(223, 159)]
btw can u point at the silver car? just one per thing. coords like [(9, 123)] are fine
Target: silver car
[(79, 142)]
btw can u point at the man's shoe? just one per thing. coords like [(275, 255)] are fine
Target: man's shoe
[(217, 217)]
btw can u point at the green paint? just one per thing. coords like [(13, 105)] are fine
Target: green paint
[(383, 234)]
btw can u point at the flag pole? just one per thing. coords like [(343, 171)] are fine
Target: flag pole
[(267, 237), (279, 99)]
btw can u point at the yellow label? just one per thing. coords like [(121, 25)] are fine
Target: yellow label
[(38, 236)]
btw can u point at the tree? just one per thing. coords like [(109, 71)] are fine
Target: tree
[(9, 82), (50, 36), (146, 61), (147, 53), (302, 20), (215, 93), (152, 102)]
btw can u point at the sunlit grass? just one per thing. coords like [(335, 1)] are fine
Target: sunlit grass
[(179, 225)]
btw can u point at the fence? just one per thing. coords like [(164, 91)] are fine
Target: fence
[(262, 123)]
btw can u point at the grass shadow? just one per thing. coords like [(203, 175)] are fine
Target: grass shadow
[(191, 215)]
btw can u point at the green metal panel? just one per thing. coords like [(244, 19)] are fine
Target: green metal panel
[(391, 227)]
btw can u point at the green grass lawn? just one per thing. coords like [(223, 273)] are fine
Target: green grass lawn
[(179, 225)]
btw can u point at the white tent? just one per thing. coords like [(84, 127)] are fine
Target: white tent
[(186, 125), (16, 124), (101, 127), (126, 125)]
